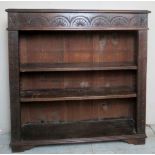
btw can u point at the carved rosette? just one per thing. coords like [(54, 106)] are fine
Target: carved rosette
[(12, 20), (140, 20), (80, 21)]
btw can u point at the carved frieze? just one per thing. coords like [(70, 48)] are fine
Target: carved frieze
[(77, 21)]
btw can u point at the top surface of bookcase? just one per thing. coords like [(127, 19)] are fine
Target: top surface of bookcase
[(74, 11), (51, 19)]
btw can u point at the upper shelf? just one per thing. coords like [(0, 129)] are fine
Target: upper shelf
[(76, 67)]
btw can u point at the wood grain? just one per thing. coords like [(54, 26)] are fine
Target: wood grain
[(77, 129), (70, 80), (14, 85), (141, 80), (67, 111), (60, 67), (77, 47)]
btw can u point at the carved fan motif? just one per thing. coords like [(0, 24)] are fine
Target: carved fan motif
[(60, 22), (119, 21), (80, 22), (100, 21)]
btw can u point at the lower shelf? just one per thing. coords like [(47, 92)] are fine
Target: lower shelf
[(80, 129), (76, 94)]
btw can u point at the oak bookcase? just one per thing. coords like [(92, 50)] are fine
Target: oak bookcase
[(77, 76)]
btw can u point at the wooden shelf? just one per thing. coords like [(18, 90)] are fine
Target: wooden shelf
[(76, 67), (39, 99), (98, 127), (75, 94)]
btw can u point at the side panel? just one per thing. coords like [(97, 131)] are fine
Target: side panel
[(141, 81), (14, 85)]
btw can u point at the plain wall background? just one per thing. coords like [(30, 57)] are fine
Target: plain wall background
[(4, 79)]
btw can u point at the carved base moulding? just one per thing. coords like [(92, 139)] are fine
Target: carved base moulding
[(25, 145)]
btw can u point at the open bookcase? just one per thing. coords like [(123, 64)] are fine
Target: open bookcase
[(74, 78)]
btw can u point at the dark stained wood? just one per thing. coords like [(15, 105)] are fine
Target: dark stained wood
[(79, 129), (72, 111), (124, 80), (77, 76), (75, 11), (141, 81), (136, 141), (76, 94), (78, 47), (77, 21), (99, 97), (28, 144), (14, 85), (76, 67)]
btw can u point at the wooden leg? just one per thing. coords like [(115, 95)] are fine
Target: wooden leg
[(20, 147), (135, 141)]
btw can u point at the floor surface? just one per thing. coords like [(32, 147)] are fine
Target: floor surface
[(106, 147)]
